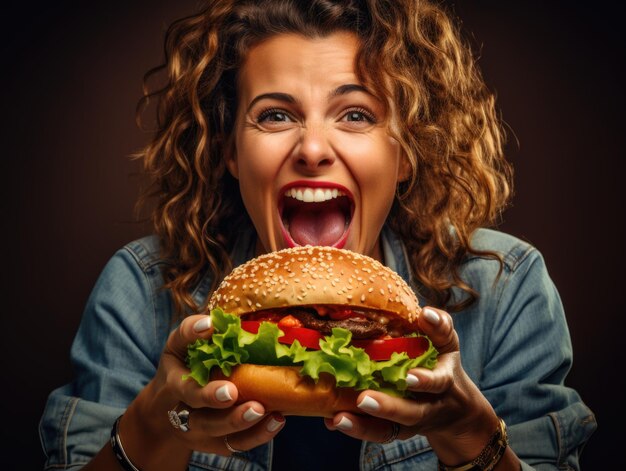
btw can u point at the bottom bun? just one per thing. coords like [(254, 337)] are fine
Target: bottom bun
[(282, 389)]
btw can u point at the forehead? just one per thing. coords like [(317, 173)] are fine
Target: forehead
[(291, 60)]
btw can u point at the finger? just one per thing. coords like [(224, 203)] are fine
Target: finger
[(219, 394), (368, 428), (436, 381), (403, 411), (438, 326), (216, 394), (190, 329), (208, 422), (255, 436)]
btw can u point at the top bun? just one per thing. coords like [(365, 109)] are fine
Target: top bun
[(306, 276)]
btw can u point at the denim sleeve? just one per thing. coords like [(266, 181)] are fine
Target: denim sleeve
[(530, 355), (114, 354)]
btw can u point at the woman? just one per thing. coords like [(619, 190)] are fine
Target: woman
[(383, 100)]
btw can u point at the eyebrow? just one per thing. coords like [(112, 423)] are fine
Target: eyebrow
[(348, 88), (287, 98)]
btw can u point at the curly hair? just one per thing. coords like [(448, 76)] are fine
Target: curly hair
[(411, 54)]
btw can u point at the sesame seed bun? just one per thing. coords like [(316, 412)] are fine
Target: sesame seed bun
[(306, 276)]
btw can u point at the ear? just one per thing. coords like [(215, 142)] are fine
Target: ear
[(230, 158), (405, 170)]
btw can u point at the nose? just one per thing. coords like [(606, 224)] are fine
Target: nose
[(314, 150)]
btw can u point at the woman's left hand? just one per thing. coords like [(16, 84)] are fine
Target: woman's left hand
[(446, 407)]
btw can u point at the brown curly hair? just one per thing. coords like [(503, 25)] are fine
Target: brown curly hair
[(411, 54)]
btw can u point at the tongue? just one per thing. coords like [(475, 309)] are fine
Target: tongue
[(317, 224)]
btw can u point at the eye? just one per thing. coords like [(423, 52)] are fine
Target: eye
[(359, 115), (273, 115)]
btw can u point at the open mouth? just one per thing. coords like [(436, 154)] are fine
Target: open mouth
[(316, 215)]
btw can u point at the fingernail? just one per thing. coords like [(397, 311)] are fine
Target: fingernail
[(368, 404), (223, 394), (344, 424), (411, 380), (203, 324), (431, 316), (251, 415), (274, 424)]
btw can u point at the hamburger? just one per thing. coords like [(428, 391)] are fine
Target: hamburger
[(303, 330)]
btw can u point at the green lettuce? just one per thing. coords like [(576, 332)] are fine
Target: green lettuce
[(230, 346)]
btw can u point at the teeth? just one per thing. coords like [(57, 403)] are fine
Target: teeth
[(313, 195)]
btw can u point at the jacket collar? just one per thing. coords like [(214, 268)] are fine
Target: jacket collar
[(394, 254)]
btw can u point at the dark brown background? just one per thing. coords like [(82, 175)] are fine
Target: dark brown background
[(70, 79)]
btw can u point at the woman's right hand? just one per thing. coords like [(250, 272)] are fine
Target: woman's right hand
[(149, 437)]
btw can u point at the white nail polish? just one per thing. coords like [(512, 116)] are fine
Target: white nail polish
[(203, 324), (274, 424), (251, 415), (411, 380), (223, 394), (431, 316), (344, 424), (369, 404)]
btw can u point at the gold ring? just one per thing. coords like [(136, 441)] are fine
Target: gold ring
[(230, 448), (395, 431)]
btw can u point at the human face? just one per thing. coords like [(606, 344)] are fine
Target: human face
[(311, 150)]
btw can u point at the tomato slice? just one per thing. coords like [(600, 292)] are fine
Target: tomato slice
[(251, 326), (379, 349), (382, 349), (308, 338)]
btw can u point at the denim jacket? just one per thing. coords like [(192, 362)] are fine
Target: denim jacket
[(515, 346)]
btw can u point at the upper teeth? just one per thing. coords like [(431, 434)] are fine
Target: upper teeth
[(313, 195)]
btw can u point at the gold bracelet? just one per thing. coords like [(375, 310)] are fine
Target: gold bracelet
[(489, 456)]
